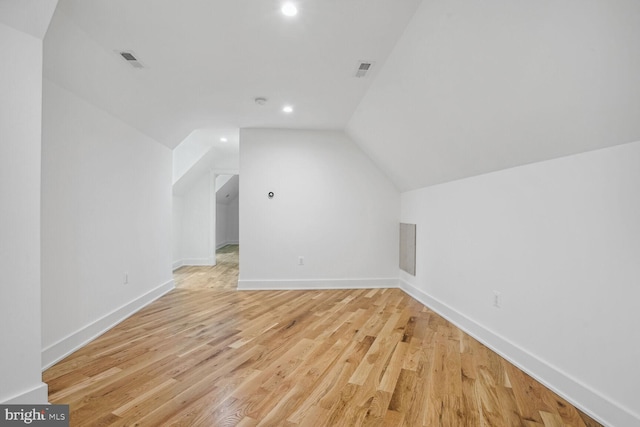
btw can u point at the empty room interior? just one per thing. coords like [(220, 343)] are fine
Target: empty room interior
[(321, 212)]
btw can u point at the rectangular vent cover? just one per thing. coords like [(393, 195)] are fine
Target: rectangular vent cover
[(363, 68), (131, 59), (128, 56)]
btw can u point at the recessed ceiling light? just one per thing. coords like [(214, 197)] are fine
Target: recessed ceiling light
[(287, 109), (223, 139), (289, 9)]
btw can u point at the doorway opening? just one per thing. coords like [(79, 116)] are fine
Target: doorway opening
[(227, 219)]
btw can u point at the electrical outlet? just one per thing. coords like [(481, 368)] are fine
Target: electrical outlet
[(126, 278), (497, 299), (300, 260)]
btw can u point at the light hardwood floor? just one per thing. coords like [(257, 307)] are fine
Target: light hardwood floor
[(206, 354)]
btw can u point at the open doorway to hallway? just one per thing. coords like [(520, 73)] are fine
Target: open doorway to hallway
[(227, 218), (222, 276), (227, 263)]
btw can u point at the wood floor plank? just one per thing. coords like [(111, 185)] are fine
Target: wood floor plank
[(206, 354)]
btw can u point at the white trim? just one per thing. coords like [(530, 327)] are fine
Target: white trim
[(306, 284), (38, 395), (230, 242), (197, 262), (599, 407), (207, 262), (78, 339)]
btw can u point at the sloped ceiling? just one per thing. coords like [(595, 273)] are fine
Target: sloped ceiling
[(29, 16), (224, 156), (458, 89), (229, 191), (216, 159), (474, 87), (207, 60)]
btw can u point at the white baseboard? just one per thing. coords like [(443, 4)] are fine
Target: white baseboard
[(230, 242), (37, 395), (78, 339), (304, 284), (599, 407), (196, 262)]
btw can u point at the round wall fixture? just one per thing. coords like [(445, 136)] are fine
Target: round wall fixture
[(270, 194)]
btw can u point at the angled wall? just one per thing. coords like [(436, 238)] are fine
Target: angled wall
[(331, 205)]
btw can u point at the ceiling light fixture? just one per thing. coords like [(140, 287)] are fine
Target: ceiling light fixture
[(289, 9), (287, 109), (223, 139)]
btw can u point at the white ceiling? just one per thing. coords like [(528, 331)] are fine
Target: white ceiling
[(29, 16), (458, 89), (229, 191), (476, 87), (206, 60)]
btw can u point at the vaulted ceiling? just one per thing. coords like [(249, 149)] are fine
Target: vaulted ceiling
[(205, 61), (476, 87), (457, 89), (29, 16)]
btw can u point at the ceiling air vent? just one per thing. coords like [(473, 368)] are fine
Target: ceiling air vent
[(131, 59), (363, 68)]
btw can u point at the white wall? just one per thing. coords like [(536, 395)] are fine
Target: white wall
[(221, 225), (106, 212), (189, 151), (233, 221), (20, 126), (221, 160), (561, 241), (195, 229), (198, 223), (227, 187), (176, 235), (332, 206), (227, 223)]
